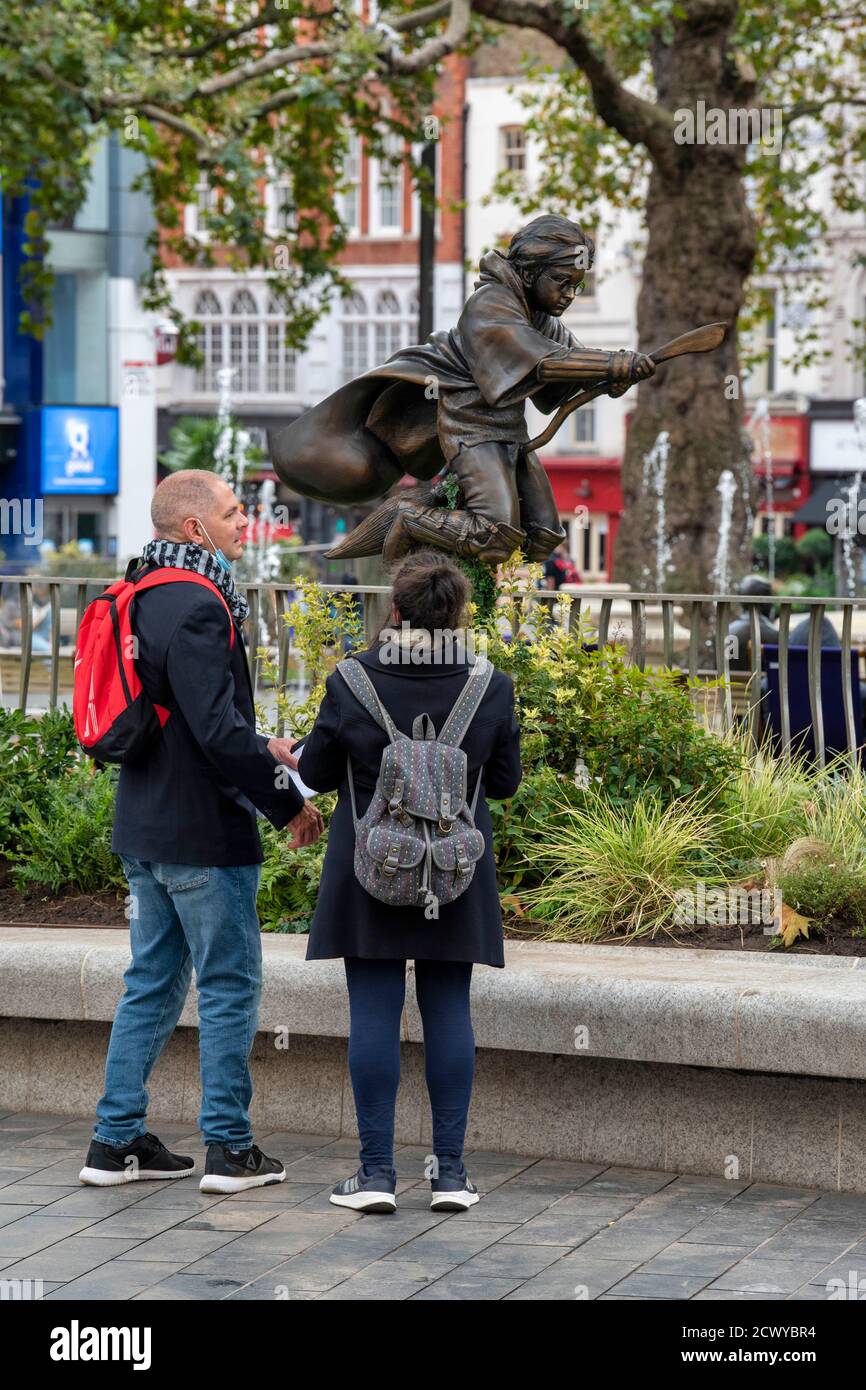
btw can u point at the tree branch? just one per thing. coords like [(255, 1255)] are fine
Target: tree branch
[(638, 121)]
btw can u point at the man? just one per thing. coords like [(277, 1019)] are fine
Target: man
[(458, 401), (560, 569), (185, 830)]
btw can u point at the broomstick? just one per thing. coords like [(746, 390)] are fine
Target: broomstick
[(703, 339)]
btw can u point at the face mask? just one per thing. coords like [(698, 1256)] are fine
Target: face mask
[(218, 555)]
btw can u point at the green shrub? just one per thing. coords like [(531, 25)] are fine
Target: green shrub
[(815, 549), (290, 878), (35, 755), (827, 893), (618, 871), (64, 841), (629, 731)]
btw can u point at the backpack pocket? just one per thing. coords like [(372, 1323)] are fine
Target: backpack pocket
[(389, 863), (454, 859)]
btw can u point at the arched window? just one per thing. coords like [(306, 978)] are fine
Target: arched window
[(244, 341), (355, 337), (388, 325), (280, 360), (210, 339)]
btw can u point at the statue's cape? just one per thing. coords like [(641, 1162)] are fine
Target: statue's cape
[(356, 443)]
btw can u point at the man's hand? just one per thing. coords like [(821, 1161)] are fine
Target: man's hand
[(281, 749), (306, 827)]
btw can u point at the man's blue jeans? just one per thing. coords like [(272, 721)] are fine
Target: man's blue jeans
[(182, 917)]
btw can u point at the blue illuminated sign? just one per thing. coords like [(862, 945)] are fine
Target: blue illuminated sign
[(79, 449)]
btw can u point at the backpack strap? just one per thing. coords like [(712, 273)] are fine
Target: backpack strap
[(364, 691), (467, 702), (171, 576)]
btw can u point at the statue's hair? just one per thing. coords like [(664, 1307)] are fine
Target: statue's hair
[(189, 492), (547, 239)]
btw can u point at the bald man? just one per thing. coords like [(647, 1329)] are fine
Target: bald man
[(185, 830)]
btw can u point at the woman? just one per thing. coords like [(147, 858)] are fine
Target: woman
[(376, 939)]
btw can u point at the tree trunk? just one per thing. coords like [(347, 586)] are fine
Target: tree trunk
[(700, 251)]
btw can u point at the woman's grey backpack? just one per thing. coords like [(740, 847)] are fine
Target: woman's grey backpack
[(417, 843)]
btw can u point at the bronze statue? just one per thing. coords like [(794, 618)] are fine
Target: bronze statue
[(456, 402)]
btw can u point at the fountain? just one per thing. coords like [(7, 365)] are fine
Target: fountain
[(761, 422), (726, 488), (851, 527), (230, 454), (655, 473)]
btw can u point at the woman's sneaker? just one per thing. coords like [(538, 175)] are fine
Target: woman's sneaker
[(145, 1159), (453, 1192), (234, 1170), (367, 1192)]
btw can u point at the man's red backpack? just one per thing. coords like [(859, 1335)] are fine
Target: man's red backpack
[(115, 719)]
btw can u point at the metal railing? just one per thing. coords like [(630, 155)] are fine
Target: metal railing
[(687, 633)]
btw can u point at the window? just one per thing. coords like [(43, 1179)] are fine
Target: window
[(252, 344), (349, 199), (587, 543), (355, 334), (579, 433), (210, 339), (761, 380), (284, 217), (387, 326), (513, 148), (387, 187), (244, 341), (280, 361)]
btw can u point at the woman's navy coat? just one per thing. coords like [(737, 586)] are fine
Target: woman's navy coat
[(347, 920)]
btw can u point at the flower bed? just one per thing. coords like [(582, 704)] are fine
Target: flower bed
[(633, 821)]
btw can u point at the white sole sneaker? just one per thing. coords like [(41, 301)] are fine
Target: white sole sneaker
[(218, 1183), (453, 1201), (99, 1177), (366, 1201)]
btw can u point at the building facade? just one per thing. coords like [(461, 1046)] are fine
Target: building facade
[(78, 411)]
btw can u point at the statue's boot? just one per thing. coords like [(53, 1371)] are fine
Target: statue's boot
[(458, 531), (541, 542)]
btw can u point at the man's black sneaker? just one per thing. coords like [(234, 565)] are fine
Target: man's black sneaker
[(145, 1159), (234, 1170), (367, 1192), (453, 1192)]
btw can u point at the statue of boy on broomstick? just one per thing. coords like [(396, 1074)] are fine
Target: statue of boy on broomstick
[(456, 403)]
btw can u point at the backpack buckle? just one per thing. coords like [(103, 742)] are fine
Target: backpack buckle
[(462, 859), (392, 861), (445, 825)]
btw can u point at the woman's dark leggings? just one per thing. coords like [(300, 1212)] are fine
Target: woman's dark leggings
[(377, 990)]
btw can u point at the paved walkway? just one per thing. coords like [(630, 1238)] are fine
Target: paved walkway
[(544, 1229)]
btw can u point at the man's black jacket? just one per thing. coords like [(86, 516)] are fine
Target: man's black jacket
[(191, 798)]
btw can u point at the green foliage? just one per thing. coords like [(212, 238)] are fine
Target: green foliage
[(612, 870), (64, 840), (36, 755), (290, 877), (193, 444), (630, 731), (815, 549), (828, 893)]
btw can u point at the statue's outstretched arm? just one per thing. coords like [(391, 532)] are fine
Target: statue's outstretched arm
[(620, 368)]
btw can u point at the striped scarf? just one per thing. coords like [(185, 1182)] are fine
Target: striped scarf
[(178, 555)]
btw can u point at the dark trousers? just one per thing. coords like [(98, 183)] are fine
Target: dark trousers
[(377, 990)]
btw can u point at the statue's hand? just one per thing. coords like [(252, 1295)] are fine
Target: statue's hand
[(641, 367), (626, 368)]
